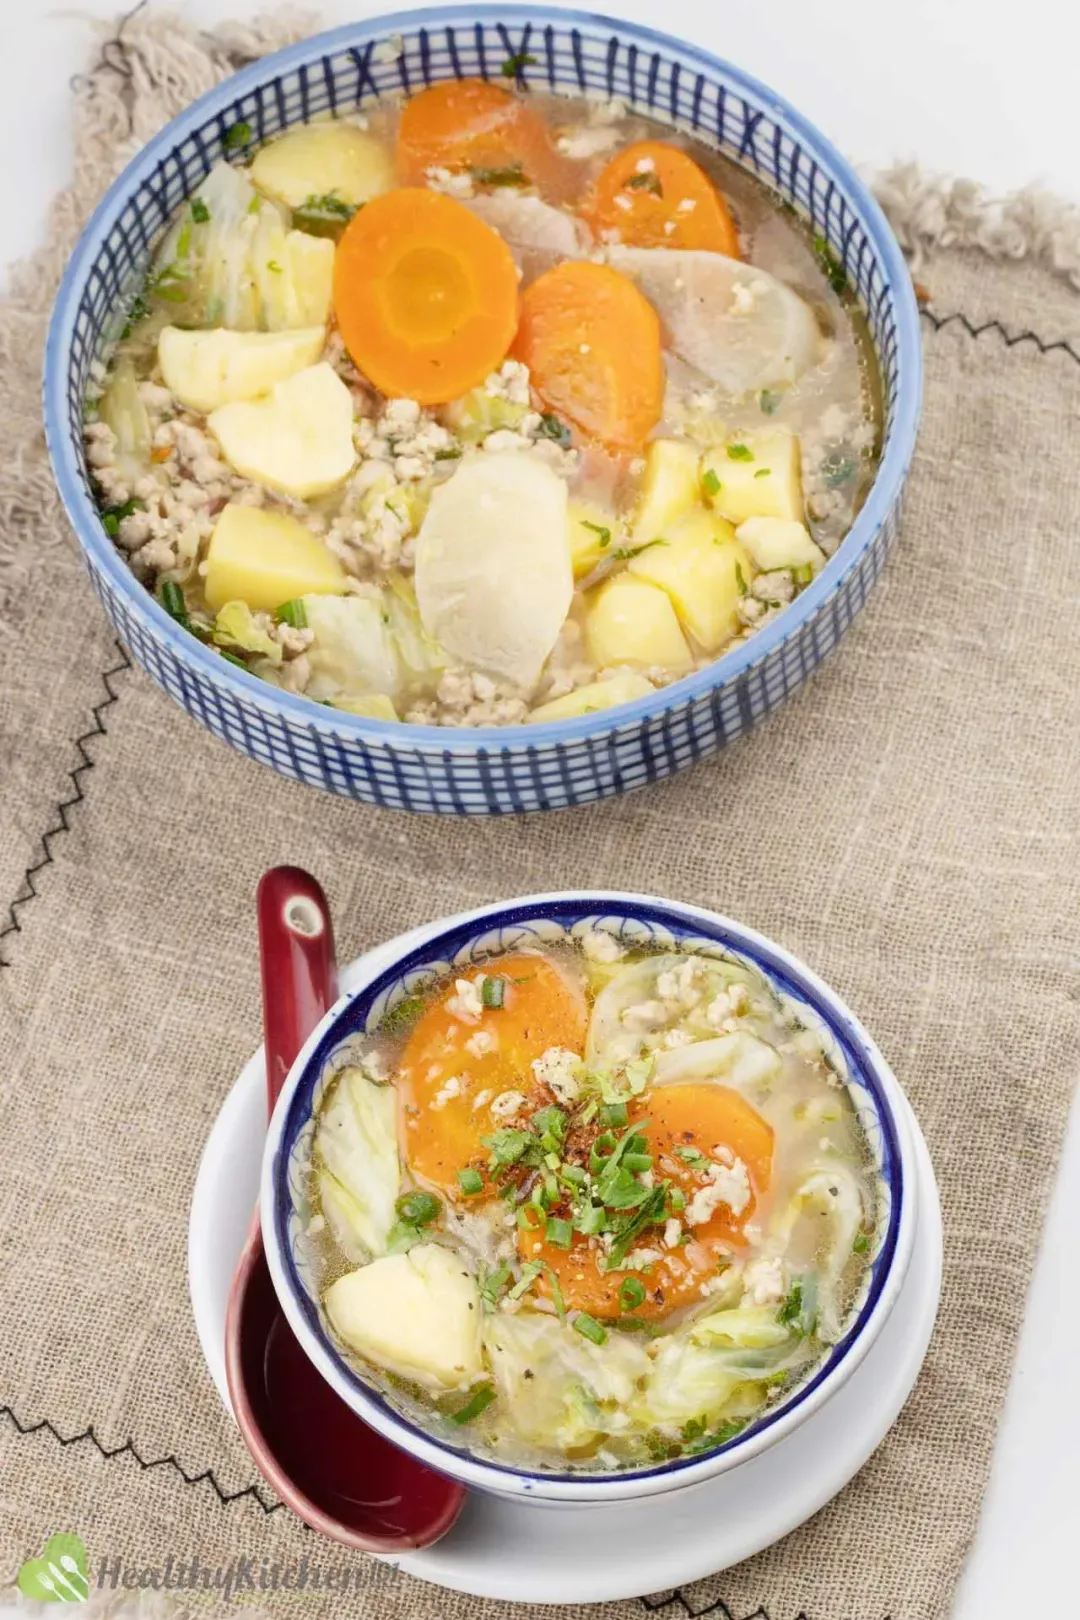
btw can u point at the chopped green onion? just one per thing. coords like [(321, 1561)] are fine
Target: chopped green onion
[(559, 1232), (293, 612), (574, 1174), (172, 600), (493, 991), (590, 1328), (231, 658), (763, 472), (740, 452), (601, 1151), (556, 1293), (470, 1182), (514, 63), (418, 1208), (631, 1293), (478, 1402), (199, 211), (510, 174), (692, 1156), (600, 529), (402, 1015), (237, 135), (492, 1286), (551, 1122), (646, 180), (552, 428), (677, 1199), (529, 1273), (710, 481), (637, 1161), (740, 580), (508, 1146), (614, 1114)]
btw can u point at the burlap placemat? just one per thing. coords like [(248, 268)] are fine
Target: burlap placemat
[(908, 824)]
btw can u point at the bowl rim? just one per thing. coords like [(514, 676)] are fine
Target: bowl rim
[(500, 1478), (244, 688)]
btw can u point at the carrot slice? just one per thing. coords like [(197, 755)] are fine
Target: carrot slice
[(425, 295), (591, 341), (448, 1078), (652, 194), (470, 125), (701, 1117)]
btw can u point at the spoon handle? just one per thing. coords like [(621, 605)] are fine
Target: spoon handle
[(299, 968)]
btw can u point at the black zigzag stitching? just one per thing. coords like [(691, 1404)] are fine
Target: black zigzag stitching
[(28, 889), (718, 1609), (145, 1463), (1010, 339)]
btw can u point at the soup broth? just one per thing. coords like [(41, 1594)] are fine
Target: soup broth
[(480, 407), (584, 1209)]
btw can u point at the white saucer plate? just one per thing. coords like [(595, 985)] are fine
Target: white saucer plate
[(545, 1553)]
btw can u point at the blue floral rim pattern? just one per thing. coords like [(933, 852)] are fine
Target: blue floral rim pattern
[(531, 922), (486, 771)]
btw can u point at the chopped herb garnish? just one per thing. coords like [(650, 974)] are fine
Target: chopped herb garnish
[(447, 455), (613, 1115), (652, 1212), (515, 62), (694, 1429), (199, 211), (623, 553), (237, 135), (479, 1401), (692, 1156), (493, 991), (646, 180), (556, 1294), (293, 613), (740, 580), (799, 1309), (509, 174), (763, 472), (471, 1182), (418, 1208), (559, 1232), (677, 1199), (402, 1015), (231, 658), (718, 1436), (631, 1293), (509, 1146), (768, 401), (711, 482), (551, 427), (740, 452), (861, 1243), (590, 1328), (550, 1124), (272, 265), (327, 215), (599, 529)]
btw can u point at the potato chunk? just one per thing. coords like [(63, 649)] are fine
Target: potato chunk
[(592, 532), (775, 543), (297, 439), (318, 160), (593, 698), (705, 572), (208, 369), (759, 475), (416, 1314), (670, 487), (630, 621), (265, 559)]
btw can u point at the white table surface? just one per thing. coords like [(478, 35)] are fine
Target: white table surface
[(993, 87)]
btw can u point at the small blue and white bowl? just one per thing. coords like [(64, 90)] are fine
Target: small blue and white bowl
[(471, 938), (488, 771)]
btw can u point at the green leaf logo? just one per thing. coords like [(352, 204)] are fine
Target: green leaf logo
[(59, 1575)]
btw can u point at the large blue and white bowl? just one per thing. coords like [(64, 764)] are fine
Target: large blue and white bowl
[(459, 943), (539, 767)]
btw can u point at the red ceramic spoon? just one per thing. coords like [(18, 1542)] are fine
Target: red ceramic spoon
[(324, 1462)]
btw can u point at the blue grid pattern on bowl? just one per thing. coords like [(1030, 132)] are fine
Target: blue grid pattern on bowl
[(488, 771), (538, 921)]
